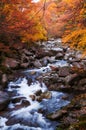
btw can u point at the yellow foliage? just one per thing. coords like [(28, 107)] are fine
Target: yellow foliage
[(40, 34), (77, 39)]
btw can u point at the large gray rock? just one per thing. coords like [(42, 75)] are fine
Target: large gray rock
[(4, 100), (37, 64)]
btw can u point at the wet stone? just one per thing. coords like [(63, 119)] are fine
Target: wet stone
[(59, 55), (46, 95), (18, 99), (33, 97), (25, 103), (38, 93), (4, 100), (57, 115), (37, 64), (64, 71)]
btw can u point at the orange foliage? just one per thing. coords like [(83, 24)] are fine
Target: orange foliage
[(17, 22), (72, 17), (28, 21), (67, 18)]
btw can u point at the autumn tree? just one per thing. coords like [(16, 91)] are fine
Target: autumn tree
[(67, 19), (77, 25), (18, 22), (49, 17), (72, 15)]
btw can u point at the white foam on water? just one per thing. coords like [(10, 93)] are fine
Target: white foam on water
[(11, 105), (18, 126), (30, 113), (35, 117), (55, 93), (21, 112), (40, 70), (60, 63), (3, 123), (57, 49), (26, 90)]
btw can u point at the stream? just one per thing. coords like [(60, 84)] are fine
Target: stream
[(25, 111)]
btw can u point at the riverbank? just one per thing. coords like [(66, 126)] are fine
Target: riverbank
[(68, 76)]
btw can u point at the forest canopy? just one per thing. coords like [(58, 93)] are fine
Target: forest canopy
[(28, 21)]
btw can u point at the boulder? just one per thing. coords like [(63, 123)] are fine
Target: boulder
[(37, 63), (54, 68), (59, 55), (64, 71), (57, 115), (26, 52), (38, 93), (4, 100), (42, 53), (51, 59), (44, 61), (33, 97), (25, 103), (10, 63), (45, 95), (70, 79), (17, 99), (24, 58), (77, 65), (82, 82), (24, 65)]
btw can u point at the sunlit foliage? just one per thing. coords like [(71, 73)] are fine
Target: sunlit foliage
[(75, 23), (17, 22)]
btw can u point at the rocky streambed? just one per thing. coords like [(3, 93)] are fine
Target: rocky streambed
[(42, 88)]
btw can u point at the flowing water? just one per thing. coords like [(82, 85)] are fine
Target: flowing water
[(25, 113)]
